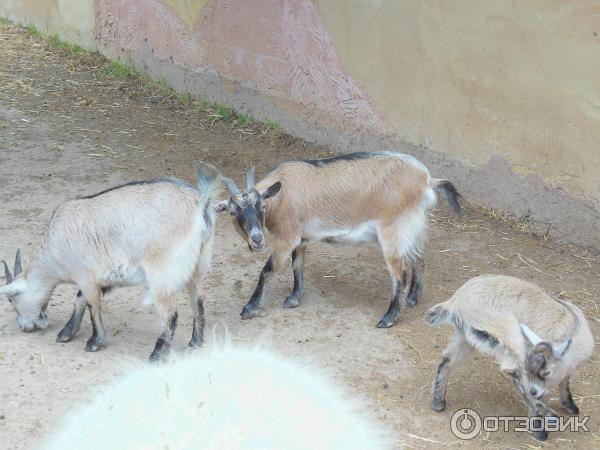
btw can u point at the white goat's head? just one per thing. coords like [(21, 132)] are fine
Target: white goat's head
[(30, 306), (543, 362)]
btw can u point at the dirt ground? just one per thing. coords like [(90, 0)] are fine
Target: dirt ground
[(67, 129)]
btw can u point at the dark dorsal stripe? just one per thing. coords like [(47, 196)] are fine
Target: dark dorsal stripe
[(344, 157), (175, 181)]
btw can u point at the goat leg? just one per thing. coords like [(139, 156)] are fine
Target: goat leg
[(416, 282), (390, 317), (163, 343), (198, 324), (566, 399), (457, 352), (293, 299), (74, 323), (251, 308)]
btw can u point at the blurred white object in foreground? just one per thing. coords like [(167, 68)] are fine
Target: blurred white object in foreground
[(231, 398)]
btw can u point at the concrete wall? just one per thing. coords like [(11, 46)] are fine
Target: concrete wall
[(501, 97)]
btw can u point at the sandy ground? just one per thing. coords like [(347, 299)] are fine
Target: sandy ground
[(67, 129)]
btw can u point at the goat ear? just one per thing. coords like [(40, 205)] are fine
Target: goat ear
[(13, 288), (271, 190), (222, 205)]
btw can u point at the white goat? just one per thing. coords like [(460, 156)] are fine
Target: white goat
[(504, 317), (157, 233), (223, 399), (354, 197)]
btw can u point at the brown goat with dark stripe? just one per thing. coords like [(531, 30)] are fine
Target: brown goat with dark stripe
[(354, 197)]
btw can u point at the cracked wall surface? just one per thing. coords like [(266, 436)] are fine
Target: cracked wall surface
[(501, 97)]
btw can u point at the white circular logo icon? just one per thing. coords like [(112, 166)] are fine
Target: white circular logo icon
[(465, 424)]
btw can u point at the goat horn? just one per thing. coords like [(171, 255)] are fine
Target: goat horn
[(529, 334), (560, 351), (7, 274), (250, 179), (18, 269), (231, 186)]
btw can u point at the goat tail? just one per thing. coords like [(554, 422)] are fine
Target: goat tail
[(440, 314), (437, 315), (209, 183), (447, 189)]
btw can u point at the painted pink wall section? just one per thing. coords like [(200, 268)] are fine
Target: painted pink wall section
[(280, 45)]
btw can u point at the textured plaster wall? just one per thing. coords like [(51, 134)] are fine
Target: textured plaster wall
[(502, 97), (280, 46), (477, 80), (72, 20)]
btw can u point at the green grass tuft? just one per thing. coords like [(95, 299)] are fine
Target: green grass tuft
[(116, 69), (271, 125), (4, 21), (54, 42), (185, 97), (222, 113), (201, 104), (31, 30), (225, 112), (164, 85), (244, 119)]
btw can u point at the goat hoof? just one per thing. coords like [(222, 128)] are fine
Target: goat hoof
[(292, 301), (411, 300), (438, 405), (157, 357), (195, 343), (64, 337), (248, 312), (572, 409), (387, 321), (92, 346), (540, 435), (384, 323)]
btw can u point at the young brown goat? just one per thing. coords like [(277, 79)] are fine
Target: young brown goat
[(157, 233), (348, 198)]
